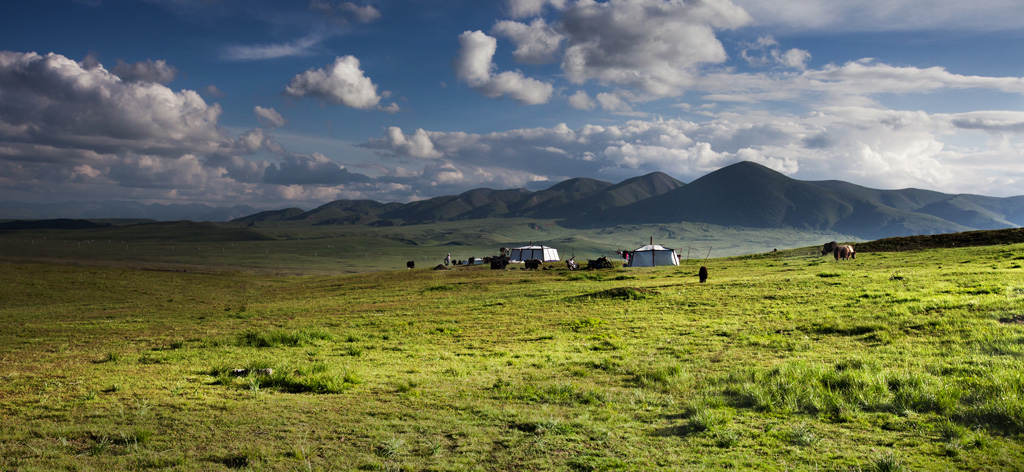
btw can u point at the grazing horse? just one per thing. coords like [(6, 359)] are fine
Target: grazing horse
[(703, 274), (410, 264), (829, 247), (844, 252)]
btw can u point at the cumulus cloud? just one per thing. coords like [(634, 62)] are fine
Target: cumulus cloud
[(310, 169), (650, 45), (340, 83), (417, 145), (269, 117), (475, 67), (52, 100), (869, 146), (255, 140), (580, 100), (146, 71), (80, 130), (536, 43), (345, 12), (613, 102)]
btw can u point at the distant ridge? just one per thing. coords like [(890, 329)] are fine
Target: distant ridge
[(121, 209), (60, 223), (744, 194)]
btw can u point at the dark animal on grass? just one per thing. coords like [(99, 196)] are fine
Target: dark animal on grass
[(532, 264), (599, 263), (845, 252), (703, 274), (410, 264), (499, 263), (829, 247)]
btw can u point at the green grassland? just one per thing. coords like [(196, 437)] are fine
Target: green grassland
[(300, 248), (782, 361)]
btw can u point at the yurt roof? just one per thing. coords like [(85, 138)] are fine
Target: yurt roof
[(653, 247)]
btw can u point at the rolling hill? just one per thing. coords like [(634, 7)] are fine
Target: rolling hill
[(745, 194)]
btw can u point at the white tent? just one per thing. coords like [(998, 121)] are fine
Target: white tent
[(653, 255), (525, 253)]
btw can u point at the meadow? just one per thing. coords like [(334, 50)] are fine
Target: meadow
[(298, 248), (783, 360)]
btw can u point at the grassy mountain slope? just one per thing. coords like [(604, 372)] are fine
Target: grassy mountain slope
[(745, 194), (552, 202), (622, 194), (751, 195), (271, 215)]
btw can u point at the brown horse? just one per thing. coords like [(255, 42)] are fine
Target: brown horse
[(844, 252)]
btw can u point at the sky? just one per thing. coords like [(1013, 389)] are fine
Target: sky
[(297, 103)]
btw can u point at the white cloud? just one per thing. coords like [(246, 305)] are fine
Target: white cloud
[(255, 140), (269, 117), (854, 83), (613, 103), (147, 71), (765, 52), (418, 145), (651, 45), (887, 15), (524, 8), (581, 101), (340, 83), (474, 66), (84, 131), (536, 43), (868, 146), (869, 77), (52, 100), (302, 47)]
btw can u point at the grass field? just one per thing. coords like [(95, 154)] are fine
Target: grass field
[(782, 361), (297, 248)]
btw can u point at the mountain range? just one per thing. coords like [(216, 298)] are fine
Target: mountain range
[(745, 194)]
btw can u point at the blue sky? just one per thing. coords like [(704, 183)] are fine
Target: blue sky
[(298, 103)]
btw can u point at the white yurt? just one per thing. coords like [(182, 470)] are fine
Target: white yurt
[(652, 255), (525, 253)]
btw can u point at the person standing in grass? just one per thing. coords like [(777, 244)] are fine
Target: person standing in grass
[(448, 259)]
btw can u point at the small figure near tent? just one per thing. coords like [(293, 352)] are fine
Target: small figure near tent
[(703, 274), (448, 259), (625, 256)]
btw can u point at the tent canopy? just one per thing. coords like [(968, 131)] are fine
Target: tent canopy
[(653, 255), (525, 253)]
